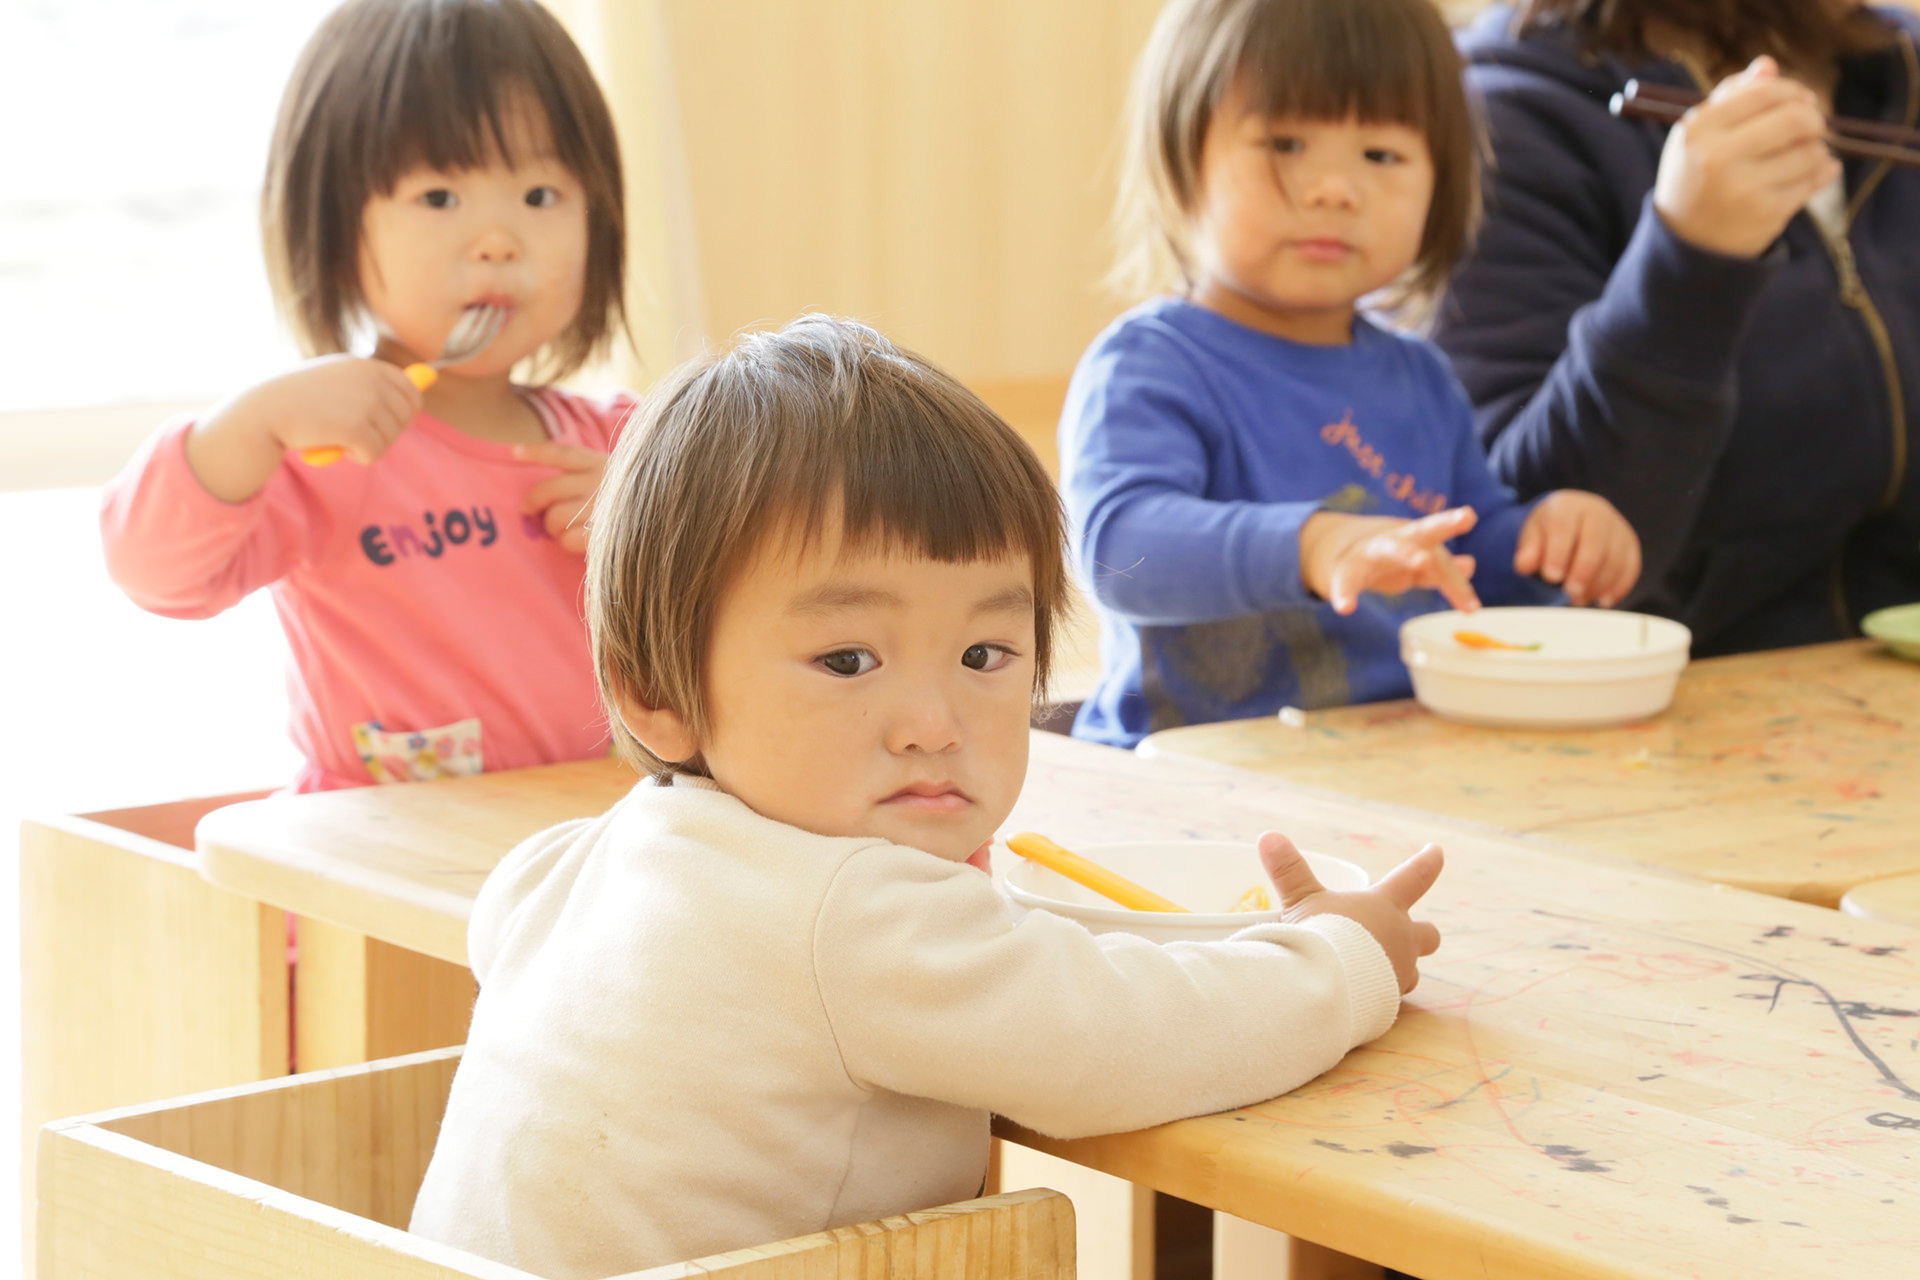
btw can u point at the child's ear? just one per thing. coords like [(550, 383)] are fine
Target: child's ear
[(663, 731)]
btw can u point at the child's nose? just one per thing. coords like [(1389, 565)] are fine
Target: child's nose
[(1331, 188), (496, 244), (926, 726)]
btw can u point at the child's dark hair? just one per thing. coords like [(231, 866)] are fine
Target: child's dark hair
[(386, 85), (823, 419), (1384, 61), (1793, 31)]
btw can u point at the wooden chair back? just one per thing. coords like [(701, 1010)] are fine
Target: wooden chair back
[(314, 1176)]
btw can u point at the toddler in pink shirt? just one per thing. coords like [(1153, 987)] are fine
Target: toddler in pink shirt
[(429, 158)]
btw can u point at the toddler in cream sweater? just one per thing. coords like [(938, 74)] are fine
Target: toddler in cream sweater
[(771, 991)]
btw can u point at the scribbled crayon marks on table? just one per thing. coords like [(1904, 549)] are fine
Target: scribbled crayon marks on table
[(1573, 1159), (1849, 1013), (1715, 1200), (1865, 949), (1404, 1150)]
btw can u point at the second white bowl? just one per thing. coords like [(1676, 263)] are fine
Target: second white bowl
[(1593, 667)]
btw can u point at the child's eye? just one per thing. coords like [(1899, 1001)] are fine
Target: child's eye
[(1285, 144), (848, 662), (439, 198), (543, 197), (986, 657), (1384, 155)]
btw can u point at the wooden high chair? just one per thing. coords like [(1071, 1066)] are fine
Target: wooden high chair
[(314, 1176)]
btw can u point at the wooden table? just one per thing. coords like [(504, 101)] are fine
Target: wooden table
[(1607, 1071), (1794, 772)]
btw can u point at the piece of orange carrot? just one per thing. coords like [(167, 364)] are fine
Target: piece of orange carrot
[(1477, 640)]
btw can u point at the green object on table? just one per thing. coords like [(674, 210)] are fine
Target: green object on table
[(1898, 628)]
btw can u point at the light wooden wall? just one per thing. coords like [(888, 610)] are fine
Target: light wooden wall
[(942, 169)]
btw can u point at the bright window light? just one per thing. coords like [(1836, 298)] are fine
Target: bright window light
[(130, 170)]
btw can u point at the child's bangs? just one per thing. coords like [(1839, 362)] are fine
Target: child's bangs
[(922, 488), (1331, 61), (449, 98), (911, 470)]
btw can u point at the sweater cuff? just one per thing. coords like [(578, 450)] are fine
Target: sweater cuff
[(1265, 552), (1373, 991), (1677, 308)]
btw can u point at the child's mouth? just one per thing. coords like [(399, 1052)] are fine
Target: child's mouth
[(1322, 250), (932, 798)]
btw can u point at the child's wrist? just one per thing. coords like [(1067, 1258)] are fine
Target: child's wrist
[(234, 448), (1319, 532)]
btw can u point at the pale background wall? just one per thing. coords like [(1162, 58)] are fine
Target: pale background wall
[(943, 170)]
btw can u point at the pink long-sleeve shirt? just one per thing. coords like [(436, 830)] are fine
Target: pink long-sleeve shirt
[(433, 628)]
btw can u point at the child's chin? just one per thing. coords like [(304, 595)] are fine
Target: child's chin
[(943, 840)]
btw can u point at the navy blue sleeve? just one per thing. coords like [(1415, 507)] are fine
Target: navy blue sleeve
[(1136, 437), (1587, 370)]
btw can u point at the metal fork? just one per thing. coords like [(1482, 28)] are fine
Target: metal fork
[(477, 326)]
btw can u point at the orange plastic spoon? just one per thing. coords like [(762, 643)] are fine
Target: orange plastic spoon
[(1108, 884)]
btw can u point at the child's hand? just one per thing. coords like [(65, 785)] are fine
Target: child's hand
[(1343, 555), (1382, 909), (1581, 540), (566, 498), (349, 402)]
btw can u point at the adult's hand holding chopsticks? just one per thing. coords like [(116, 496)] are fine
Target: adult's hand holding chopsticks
[(1381, 910), (1343, 555), (1740, 164)]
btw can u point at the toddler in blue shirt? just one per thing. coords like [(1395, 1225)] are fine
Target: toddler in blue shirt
[(1263, 483)]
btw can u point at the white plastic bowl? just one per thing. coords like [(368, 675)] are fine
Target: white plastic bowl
[(1205, 877), (1594, 667)]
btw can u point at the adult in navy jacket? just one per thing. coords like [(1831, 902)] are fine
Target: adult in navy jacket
[(1751, 413)]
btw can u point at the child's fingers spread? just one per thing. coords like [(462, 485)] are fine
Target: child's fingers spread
[(1442, 526), (1288, 871), (1452, 581), (1408, 882), (1343, 588)]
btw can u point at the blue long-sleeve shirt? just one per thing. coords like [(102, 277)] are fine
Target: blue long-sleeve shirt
[(1193, 449)]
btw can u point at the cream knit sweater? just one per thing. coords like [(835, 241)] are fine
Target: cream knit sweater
[(699, 1029)]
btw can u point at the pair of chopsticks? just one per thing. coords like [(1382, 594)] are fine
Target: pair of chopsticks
[(1866, 139)]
